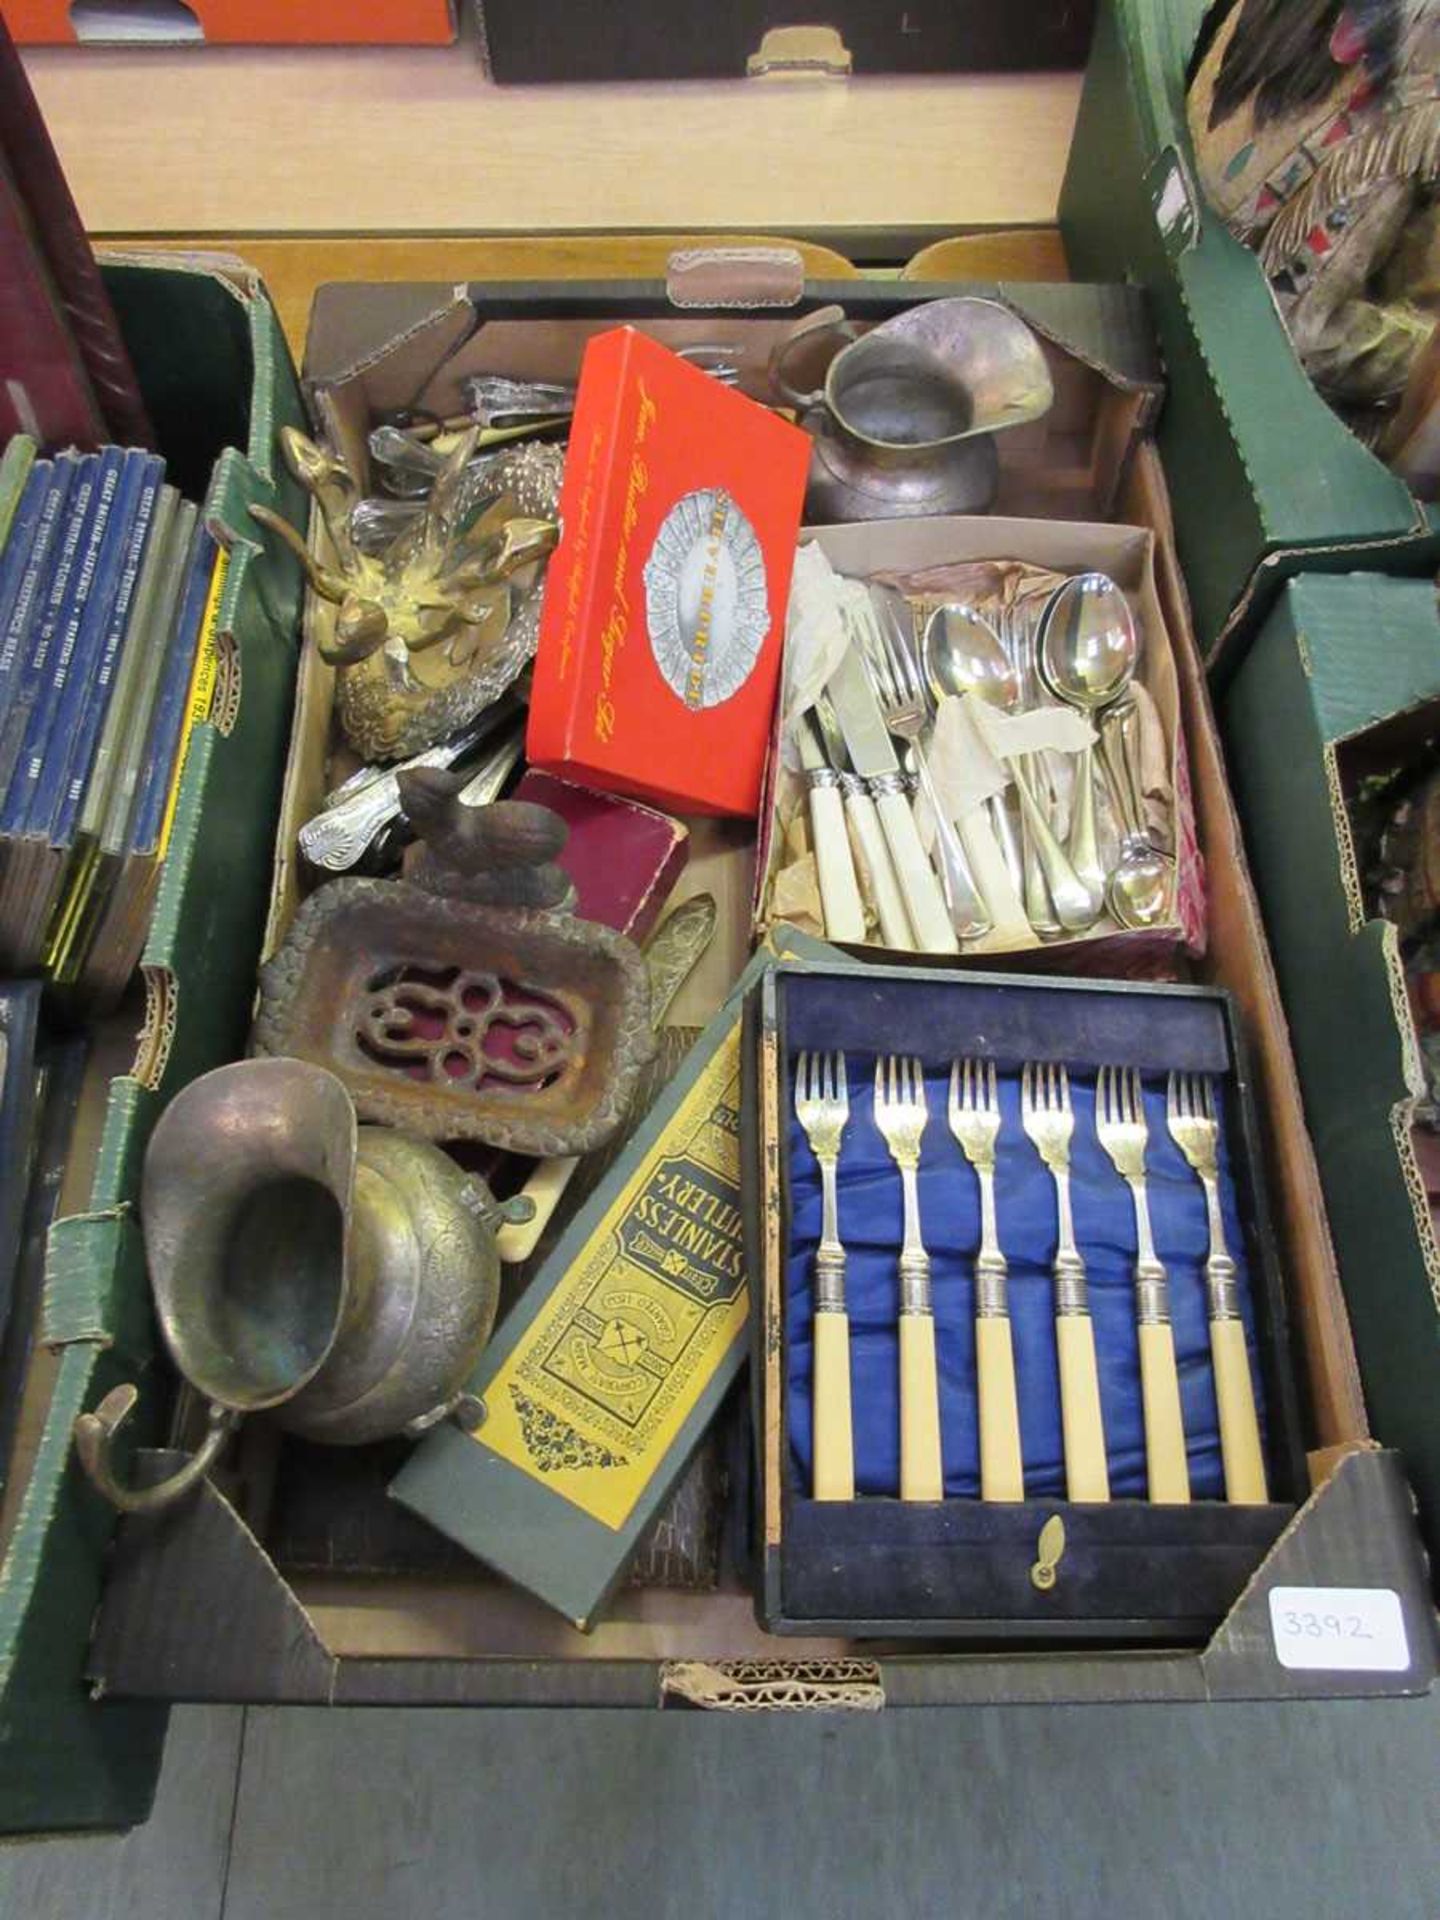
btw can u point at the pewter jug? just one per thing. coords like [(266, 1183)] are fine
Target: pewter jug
[(905, 420)]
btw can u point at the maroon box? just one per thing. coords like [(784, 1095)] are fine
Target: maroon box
[(624, 858)]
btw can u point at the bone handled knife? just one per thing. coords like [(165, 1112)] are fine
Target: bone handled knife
[(873, 868), (839, 891), (872, 755)]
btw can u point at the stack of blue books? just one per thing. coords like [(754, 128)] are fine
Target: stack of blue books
[(109, 588)]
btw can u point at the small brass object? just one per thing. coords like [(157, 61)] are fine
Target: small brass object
[(1051, 1550), (426, 632)]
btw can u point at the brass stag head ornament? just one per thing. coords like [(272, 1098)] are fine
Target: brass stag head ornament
[(431, 629)]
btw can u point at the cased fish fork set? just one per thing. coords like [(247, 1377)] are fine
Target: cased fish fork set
[(1022, 1342)]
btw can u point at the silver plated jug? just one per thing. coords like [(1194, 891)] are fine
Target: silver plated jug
[(342, 1279), (905, 420)]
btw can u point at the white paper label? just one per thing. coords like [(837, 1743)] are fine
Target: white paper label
[(1173, 206), (1339, 1629)]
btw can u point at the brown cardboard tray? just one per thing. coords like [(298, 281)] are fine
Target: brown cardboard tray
[(195, 1608)]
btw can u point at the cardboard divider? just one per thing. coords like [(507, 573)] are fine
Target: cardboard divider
[(1238, 958)]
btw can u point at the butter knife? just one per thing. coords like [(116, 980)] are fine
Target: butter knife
[(839, 893), (671, 953), (873, 756), (352, 817)]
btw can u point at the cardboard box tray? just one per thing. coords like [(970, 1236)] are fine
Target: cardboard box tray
[(1128, 556), (1343, 682), (1266, 480), (219, 382), (196, 1609)]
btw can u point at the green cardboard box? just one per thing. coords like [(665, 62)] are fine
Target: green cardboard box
[(218, 380), (1266, 481), (1342, 679)]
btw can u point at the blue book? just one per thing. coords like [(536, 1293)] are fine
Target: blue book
[(23, 576), (15, 556), (86, 694), (89, 571), (47, 614), (171, 699)]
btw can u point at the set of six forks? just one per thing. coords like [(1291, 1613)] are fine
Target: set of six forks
[(1047, 1112)]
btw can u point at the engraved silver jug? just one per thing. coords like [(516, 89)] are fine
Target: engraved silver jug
[(343, 1279)]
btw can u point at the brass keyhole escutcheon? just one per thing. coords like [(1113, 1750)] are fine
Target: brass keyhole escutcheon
[(1050, 1548)]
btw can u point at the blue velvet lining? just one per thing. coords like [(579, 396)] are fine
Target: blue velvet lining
[(870, 1226)]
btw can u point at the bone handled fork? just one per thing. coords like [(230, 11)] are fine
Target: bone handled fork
[(900, 1115), (822, 1106), (1049, 1119), (1191, 1118), (975, 1123), (895, 675), (1122, 1131)]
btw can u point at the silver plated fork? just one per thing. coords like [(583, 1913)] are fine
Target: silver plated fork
[(1122, 1131), (1048, 1117), (822, 1106), (895, 675), (975, 1123), (900, 1116), (1190, 1114), (1012, 625)]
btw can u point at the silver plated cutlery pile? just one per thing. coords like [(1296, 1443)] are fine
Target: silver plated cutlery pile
[(865, 749), (974, 1116)]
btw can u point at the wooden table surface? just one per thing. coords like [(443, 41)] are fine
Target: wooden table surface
[(221, 141)]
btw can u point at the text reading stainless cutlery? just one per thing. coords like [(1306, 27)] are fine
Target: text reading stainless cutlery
[(900, 1116), (822, 1106), (1121, 1128), (1048, 1118), (1191, 1117)]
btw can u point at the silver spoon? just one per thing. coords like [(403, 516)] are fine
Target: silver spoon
[(1138, 890), (1087, 653), (962, 654)]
